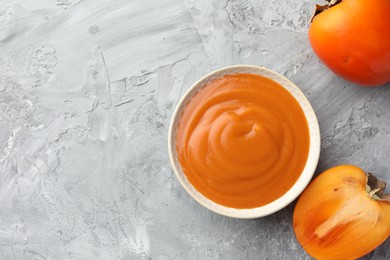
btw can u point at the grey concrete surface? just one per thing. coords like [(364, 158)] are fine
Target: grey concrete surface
[(87, 89)]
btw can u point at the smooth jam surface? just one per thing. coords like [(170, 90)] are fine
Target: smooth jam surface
[(243, 141)]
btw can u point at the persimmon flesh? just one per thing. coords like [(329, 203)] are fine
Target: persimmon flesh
[(343, 214)]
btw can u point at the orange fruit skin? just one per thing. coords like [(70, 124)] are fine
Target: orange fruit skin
[(352, 39)]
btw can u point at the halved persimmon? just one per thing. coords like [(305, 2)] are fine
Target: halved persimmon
[(342, 214)]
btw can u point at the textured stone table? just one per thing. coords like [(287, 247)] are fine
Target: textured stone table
[(87, 89)]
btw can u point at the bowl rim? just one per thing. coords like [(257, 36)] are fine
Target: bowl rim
[(298, 186)]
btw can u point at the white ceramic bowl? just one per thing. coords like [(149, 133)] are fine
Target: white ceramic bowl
[(300, 184)]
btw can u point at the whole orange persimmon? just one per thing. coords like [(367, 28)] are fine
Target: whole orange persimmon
[(352, 38), (343, 214)]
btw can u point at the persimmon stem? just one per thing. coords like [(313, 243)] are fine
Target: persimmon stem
[(373, 195), (320, 8), (333, 2), (374, 191), (376, 188)]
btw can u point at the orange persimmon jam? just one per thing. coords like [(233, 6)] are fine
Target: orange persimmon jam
[(242, 141)]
